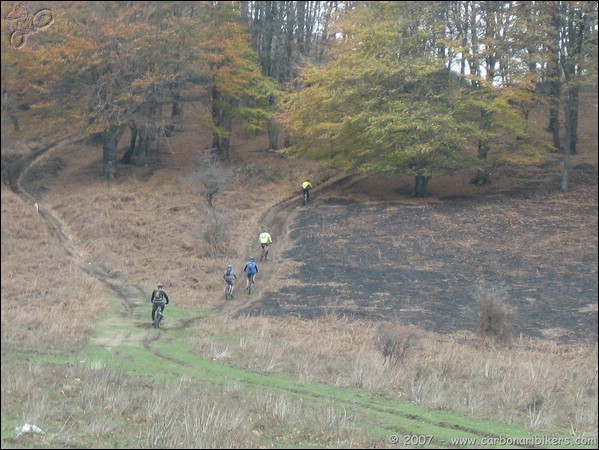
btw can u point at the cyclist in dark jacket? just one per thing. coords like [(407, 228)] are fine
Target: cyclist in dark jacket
[(159, 299)]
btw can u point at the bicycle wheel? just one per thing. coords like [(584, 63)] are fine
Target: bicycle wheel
[(42, 18), (158, 318), (17, 38)]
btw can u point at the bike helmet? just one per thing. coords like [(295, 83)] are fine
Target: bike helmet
[(229, 266), (252, 258), (160, 285)]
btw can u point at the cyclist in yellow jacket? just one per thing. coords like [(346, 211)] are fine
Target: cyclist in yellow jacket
[(306, 186), (265, 240)]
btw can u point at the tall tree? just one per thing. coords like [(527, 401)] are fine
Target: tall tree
[(565, 34), (285, 34), (383, 103), (113, 65), (97, 62), (236, 87), (579, 25)]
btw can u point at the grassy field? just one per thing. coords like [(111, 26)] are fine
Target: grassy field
[(81, 361)]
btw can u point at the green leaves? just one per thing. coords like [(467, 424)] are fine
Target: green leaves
[(385, 102)]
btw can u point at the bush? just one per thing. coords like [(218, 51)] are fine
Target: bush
[(217, 233), (263, 172), (392, 343), (494, 316)]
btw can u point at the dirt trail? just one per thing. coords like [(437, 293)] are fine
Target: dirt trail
[(278, 220), (130, 296)]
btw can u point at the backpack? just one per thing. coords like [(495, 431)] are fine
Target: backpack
[(157, 297), (229, 275), (250, 267)]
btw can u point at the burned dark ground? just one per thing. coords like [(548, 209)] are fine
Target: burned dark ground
[(426, 262)]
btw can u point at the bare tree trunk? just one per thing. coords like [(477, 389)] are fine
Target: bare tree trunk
[(482, 176), (553, 75), (144, 145), (273, 128), (112, 136), (225, 140), (273, 136), (420, 186), (571, 119), (126, 159), (223, 123), (565, 183), (177, 109), (576, 18)]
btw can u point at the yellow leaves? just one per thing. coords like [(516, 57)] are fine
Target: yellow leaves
[(149, 80), (96, 128)]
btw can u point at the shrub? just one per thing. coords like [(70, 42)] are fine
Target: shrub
[(217, 232), (392, 343), (494, 316)]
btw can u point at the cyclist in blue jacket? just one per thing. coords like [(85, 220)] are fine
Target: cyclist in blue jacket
[(251, 269)]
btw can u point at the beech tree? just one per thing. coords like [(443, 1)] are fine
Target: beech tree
[(231, 75), (284, 34), (383, 103), (578, 47), (97, 64), (113, 65)]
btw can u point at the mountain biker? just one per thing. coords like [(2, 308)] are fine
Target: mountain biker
[(265, 240), (306, 186), (251, 269), (159, 299), (229, 276)]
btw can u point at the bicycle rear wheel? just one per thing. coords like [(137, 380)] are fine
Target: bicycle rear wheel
[(158, 316)]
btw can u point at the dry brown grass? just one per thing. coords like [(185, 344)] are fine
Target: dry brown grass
[(150, 225), (40, 281), (532, 383)]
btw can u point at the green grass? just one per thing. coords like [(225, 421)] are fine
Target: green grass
[(163, 357)]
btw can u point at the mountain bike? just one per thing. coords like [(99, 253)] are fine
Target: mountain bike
[(229, 291), (158, 315), (305, 196), (249, 286), (264, 255)]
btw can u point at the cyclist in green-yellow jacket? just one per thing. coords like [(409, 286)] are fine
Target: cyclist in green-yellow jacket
[(265, 240), (306, 186)]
